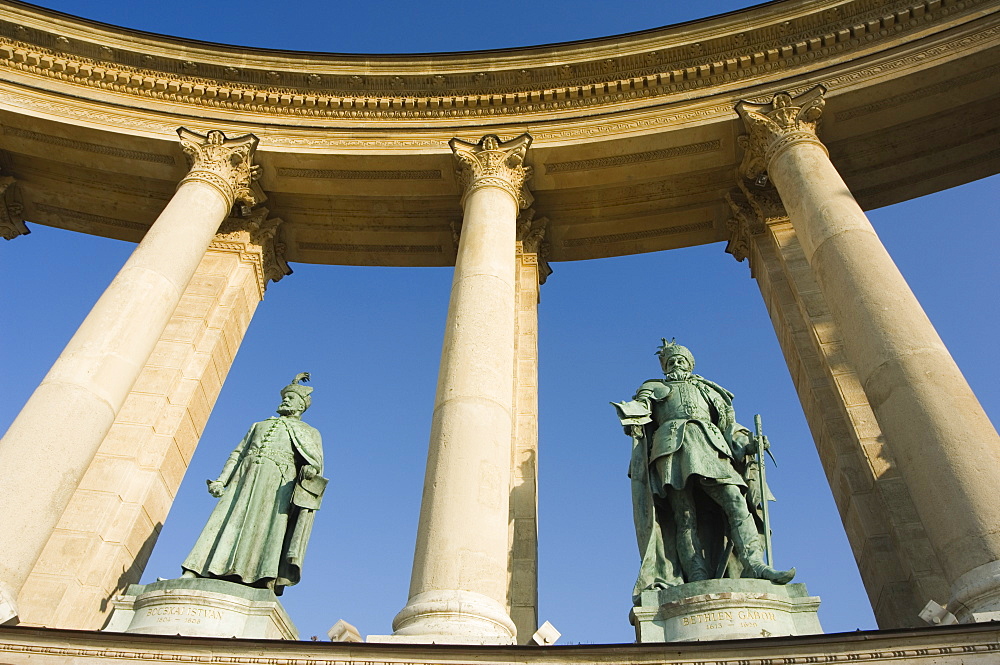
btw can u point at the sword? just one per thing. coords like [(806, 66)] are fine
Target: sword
[(762, 446)]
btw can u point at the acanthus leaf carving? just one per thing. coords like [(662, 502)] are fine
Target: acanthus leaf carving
[(224, 163), (494, 163), (774, 127)]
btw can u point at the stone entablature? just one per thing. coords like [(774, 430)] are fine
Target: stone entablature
[(634, 137), (629, 71)]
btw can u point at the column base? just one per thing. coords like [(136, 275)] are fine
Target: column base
[(8, 606), (726, 609), (451, 617), (201, 607), (975, 596)]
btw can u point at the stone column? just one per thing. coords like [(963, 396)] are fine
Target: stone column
[(458, 588), (522, 585), (894, 556), (53, 440), (945, 447), (105, 536)]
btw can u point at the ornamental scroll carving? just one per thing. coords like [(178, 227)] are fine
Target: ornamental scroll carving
[(494, 163), (774, 127), (224, 163), (11, 221), (257, 238)]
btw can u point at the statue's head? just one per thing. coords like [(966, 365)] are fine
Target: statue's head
[(676, 360), (295, 397)]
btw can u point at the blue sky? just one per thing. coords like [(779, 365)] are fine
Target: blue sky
[(371, 338)]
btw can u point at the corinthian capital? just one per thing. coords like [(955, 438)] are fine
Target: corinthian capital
[(226, 164), (775, 127), (11, 222), (257, 239), (494, 163)]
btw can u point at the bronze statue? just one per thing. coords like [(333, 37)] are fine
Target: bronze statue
[(696, 491), (269, 491)]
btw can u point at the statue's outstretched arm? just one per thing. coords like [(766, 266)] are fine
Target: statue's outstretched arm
[(217, 487)]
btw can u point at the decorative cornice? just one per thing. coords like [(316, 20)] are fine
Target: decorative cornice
[(513, 82), (775, 127), (494, 163), (226, 164), (256, 239), (11, 222), (653, 118)]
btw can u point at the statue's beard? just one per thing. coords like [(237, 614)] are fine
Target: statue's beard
[(286, 410), (678, 374)]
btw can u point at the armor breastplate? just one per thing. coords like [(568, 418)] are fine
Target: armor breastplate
[(684, 402)]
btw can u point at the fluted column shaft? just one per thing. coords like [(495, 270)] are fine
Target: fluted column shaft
[(50, 444), (458, 588), (947, 450)]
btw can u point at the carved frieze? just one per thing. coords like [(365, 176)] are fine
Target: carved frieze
[(224, 163), (777, 126), (494, 163)]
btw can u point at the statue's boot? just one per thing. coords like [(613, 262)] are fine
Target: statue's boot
[(694, 566), (689, 550), (751, 554), (690, 554)]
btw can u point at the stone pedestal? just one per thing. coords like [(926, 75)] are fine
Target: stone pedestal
[(725, 610), (200, 607)]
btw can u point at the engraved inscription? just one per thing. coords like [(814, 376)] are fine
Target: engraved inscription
[(183, 612), (743, 618)]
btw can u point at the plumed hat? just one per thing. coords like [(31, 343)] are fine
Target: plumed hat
[(672, 348), (305, 392)]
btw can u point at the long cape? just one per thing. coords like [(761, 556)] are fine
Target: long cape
[(308, 443)]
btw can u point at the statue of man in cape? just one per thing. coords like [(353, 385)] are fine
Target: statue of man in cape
[(694, 503), (269, 491)]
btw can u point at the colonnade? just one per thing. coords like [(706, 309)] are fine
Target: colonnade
[(944, 450)]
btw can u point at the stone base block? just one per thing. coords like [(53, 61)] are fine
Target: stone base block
[(975, 596), (451, 616), (725, 610), (8, 608), (438, 639), (200, 607)]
